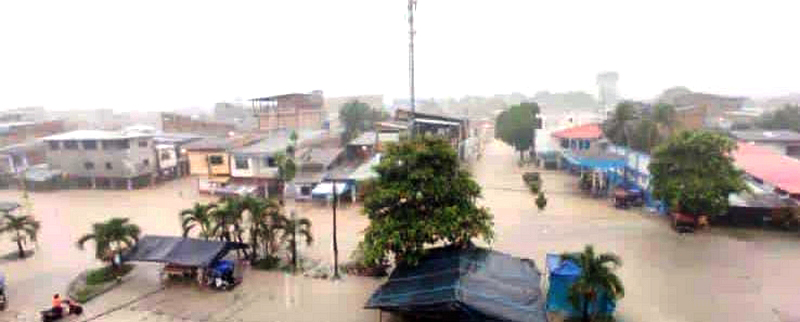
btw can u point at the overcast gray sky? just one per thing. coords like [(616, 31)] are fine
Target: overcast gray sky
[(156, 55)]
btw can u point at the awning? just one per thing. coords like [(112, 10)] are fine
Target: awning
[(435, 122), (326, 188), (180, 251), (471, 284)]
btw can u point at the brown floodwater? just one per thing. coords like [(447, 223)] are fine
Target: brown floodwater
[(719, 275)]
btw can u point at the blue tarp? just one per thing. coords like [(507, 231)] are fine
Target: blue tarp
[(562, 274), (605, 162)]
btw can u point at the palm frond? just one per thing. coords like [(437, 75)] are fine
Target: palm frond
[(81, 241)]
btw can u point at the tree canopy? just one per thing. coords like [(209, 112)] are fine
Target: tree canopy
[(694, 172), (597, 276), (641, 132), (422, 197), (358, 117), (111, 237), (786, 118), (516, 126)]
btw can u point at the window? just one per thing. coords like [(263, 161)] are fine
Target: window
[(107, 145), (88, 165), (143, 144), (71, 145), (123, 144), (108, 166), (565, 143), (215, 159), (146, 163), (54, 145), (242, 163), (270, 162), (165, 155), (89, 145), (305, 191)]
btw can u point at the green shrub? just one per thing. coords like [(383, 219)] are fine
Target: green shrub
[(267, 263), (541, 200), (106, 274)]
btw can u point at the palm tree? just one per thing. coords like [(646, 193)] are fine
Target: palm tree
[(596, 277), (666, 117), (24, 228), (197, 216), (228, 217), (110, 237), (294, 227), (286, 168), (265, 221)]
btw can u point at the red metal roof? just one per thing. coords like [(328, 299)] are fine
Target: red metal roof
[(586, 131), (775, 169)]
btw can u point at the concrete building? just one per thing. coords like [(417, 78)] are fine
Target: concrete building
[(173, 161), (92, 158), (782, 142), (24, 114), (256, 165), (177, 123), (714, 107), (211, 156), (607, 91), (289, 112), (691, 117), (235, 113)]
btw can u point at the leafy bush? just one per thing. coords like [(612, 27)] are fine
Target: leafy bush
[(541, 200), (267, 263), (361, 267), (106, 274)]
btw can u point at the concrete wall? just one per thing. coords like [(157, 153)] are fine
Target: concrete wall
[(257, 168), (109, 162), (198, 164)]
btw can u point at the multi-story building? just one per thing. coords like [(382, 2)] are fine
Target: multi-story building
[(714, 107), (295, 111), (177, 123), (93, 158), (607, 90)]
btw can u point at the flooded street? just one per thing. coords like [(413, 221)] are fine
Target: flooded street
[(717, 275)]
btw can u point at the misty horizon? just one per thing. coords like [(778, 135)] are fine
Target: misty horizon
[(155, 56)]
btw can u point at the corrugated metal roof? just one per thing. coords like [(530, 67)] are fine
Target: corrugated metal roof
[(586, 131), (368, 138), (767, 136), (775, 169), (94, 135)]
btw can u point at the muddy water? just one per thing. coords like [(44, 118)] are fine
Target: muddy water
[(719, 275), (67, 215)]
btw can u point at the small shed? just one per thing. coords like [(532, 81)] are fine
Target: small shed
[(463, 284)]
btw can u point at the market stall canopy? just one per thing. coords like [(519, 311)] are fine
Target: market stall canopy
[(464, 284), (180, 251)]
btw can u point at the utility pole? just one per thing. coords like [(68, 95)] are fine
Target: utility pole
[(412, 5), (335, 246)]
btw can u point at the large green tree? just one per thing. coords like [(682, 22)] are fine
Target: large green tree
[(111, 237), (597, 277), (358, 117), (617, 128), (694, 172), (786, 118), (422, 197), (23, 228), (516, 126)]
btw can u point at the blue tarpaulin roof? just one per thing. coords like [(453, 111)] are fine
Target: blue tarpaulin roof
[(596, 161), (562, 274)]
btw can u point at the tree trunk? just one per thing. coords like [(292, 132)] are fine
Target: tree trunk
[(294, 252), (19, 245)]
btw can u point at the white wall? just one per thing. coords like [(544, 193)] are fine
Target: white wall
[(237, 172)]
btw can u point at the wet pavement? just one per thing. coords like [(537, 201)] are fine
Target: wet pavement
[(719, 275)]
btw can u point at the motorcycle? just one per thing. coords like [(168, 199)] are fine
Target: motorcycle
[(55, 314)]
